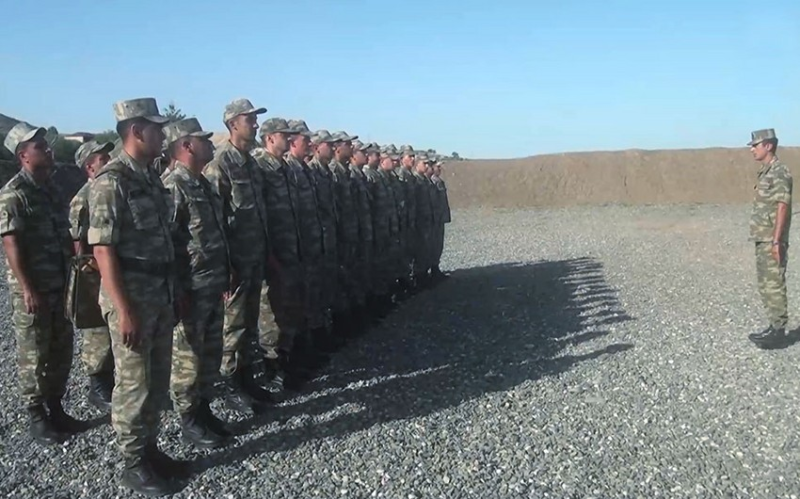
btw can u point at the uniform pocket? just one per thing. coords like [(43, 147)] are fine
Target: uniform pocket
[(242, 194), (143, 210)]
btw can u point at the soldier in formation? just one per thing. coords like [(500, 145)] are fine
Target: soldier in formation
[(243, 267)]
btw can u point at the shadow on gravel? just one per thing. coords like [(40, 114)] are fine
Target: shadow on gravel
[(484, 330)]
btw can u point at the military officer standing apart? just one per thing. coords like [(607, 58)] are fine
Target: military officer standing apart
[(234, 176), (37, 244), (769, 228), (424, 220), (96, 349), (202, 268), (442, 218), (129, 229)]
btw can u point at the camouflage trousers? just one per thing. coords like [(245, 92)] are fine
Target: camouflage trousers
[(141, 374), (771, 276), (422, 249), (240, 327), (381, 275), (197, 351), (282, 311), (362, 274), (96, 351), (44, 348), (437, 248), (402, 259), (315, 307), (345, 277)]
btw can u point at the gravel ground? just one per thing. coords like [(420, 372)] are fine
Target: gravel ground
[(586, 352)]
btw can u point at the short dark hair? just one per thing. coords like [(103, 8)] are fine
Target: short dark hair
[(124, 126)]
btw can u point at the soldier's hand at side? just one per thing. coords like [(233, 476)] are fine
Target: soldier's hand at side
[(777, 252), (32, 300), (129, 330)]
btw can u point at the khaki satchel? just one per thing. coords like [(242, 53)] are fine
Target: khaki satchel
[(82, 294)]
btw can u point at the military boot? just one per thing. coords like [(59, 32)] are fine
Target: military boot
[(438, 275), (253, 387), (100, 391), (235, 396), (62, 421), (139, 477), (167, 467), (217, 425), (769, 338), (42, 429), (197, 432)]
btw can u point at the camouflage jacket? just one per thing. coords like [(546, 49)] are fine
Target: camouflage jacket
[(442, 204), (362, 197), (346, 223), (130, 209), (201, 246), (773, 186), (409, 212), (33, 214), (424, 201), (309, 221), (235, 178), (326, 201), (385, 217), (79, 213), (280, 199)]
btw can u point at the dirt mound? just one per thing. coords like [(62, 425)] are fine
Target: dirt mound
[(623, 177)]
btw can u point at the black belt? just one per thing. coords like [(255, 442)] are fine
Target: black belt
[(149, 267)]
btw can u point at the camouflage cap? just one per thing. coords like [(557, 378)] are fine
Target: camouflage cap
[(372, 147), (407, 150), (92, 147), (22, 132), (761, 135), (240, 106), (299, 127), (321, 136), (274, 125), (360, 146), (184, 128), (145, 107), (341, 136), (421, 156)]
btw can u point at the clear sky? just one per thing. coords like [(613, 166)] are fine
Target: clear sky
[(484, 78)]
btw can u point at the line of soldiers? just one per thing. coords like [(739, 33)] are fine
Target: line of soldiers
[(243, 266)]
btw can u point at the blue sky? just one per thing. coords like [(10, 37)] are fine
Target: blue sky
[(484, 78)]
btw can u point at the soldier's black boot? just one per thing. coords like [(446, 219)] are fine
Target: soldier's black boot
[(437, 274), (100, 391), (252, 386), (276, 376), (217, 425), (139, 477), (42, 429), (235, 396), (197, 432), (769, 338), (166, 466), (62, 421)]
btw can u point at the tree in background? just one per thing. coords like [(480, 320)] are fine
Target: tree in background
[(64, 150), (173, 112), (107, 136), (455, 156)]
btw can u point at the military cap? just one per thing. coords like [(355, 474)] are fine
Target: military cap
[(189, 127), (372, 147), (22, 132), (274, 125), (360, 146), (321, 136), (299, 127), (761, 135), (389, 148), (240, 106), (343, 137), (407, 150), (92, 147), (421, 156), (139, 108)]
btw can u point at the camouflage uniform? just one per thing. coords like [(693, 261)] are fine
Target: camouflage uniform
[(312, 238), (346, 237), (442, 208), (402, 206), (30, 212), (96, 348), (131, 210), (366, 238), (281, 316), (424, 219), (773, 186), (326, 202), (235, 177), (201, 257), (385, 229)]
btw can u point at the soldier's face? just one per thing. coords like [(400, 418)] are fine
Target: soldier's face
[(359, 158), (300, 146), (437, 170), (345, 149), (760, 151), (95, 162), (37, 154), (373, 159), (387, 164), (408, 160), (245, 126), (280, 142), (202, 149), (324, 150), (152, 137)]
